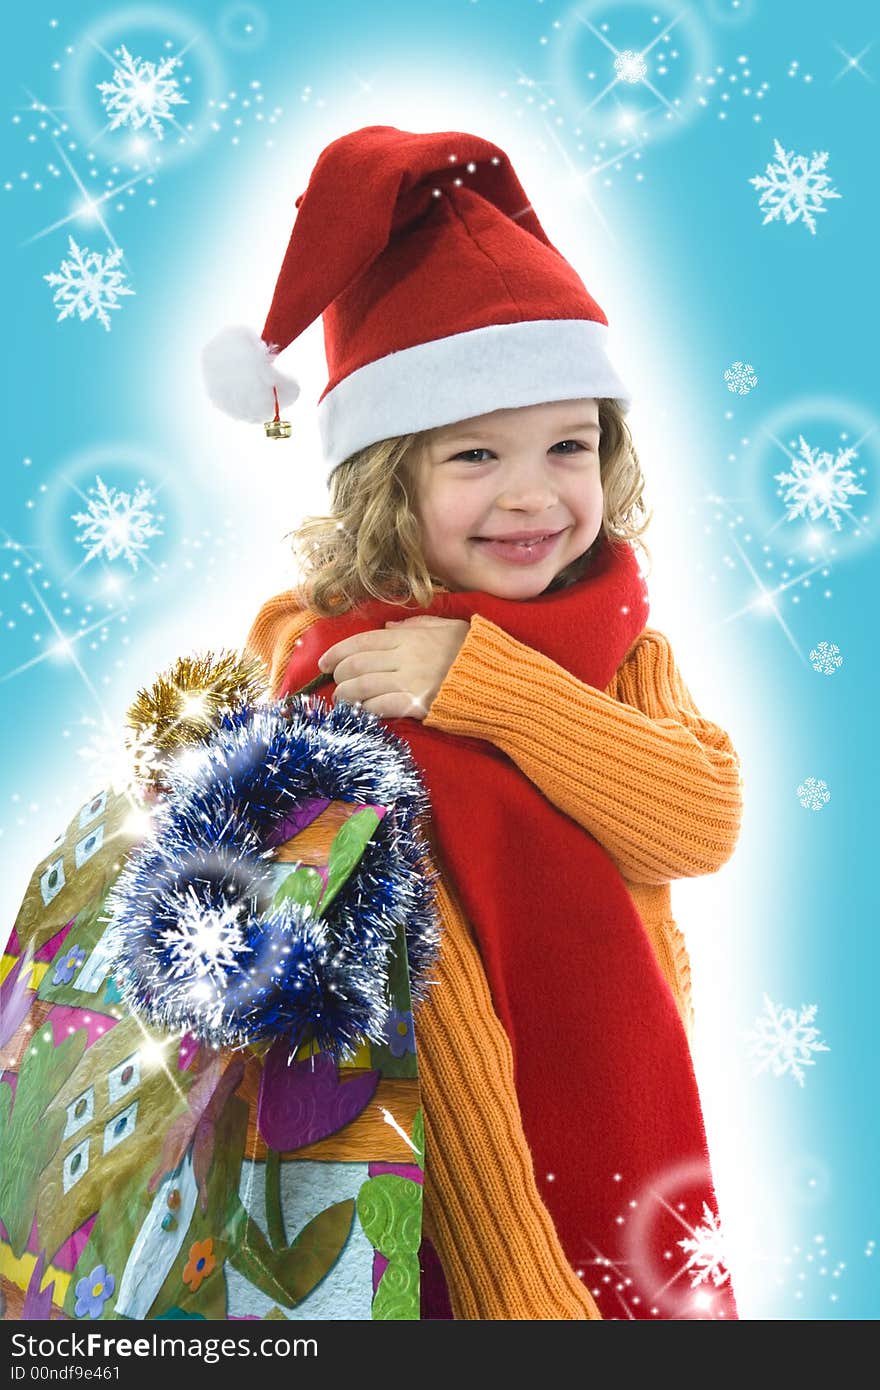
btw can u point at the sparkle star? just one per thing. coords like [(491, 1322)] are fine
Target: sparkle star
[(853, 64)]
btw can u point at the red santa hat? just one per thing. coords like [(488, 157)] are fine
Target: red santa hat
[(442, 297)]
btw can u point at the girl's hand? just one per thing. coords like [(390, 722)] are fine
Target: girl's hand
[(397, 670)]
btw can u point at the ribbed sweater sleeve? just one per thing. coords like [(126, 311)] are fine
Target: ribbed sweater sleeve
[(637, 765), (483, 1213), (275, 631)]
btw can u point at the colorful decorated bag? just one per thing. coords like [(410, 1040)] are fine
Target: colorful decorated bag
[(209, 1105)]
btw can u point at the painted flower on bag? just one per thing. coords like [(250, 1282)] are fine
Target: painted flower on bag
[(68, 965), (401, 1033), (93, 1291), (200, 1264)]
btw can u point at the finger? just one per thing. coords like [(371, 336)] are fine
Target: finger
[(397, 705), (362, 663), (361, 641), (419, 618), (365, 687)]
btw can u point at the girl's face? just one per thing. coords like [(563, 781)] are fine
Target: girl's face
[(533, 470)]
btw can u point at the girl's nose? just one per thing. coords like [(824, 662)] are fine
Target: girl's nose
[(528, 496)]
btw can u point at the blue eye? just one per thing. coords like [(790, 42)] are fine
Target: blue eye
[(465, 454)]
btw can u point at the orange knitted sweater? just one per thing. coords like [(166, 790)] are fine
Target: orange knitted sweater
[(660, 788)]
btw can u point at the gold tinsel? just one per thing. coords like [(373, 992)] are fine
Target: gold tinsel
[(185, 703)]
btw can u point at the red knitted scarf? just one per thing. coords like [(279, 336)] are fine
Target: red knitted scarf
[(603, 1072)]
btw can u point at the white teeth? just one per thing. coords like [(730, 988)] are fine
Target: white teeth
[(536, 540)]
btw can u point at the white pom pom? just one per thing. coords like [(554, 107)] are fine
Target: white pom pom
[(239, 374)]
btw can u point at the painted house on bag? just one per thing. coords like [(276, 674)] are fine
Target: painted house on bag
[(93, 1095)]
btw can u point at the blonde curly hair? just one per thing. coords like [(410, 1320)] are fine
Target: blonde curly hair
[(369, 547)]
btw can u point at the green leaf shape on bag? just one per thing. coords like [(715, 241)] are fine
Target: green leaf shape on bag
[(28, 1138), (304, 887), (390, 1211), (381, 1056), (346, 851), (287, 1276), (274, 1207), (397, 1297)]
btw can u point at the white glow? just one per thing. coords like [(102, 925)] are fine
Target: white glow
[(151, 1053), (191, 760), (138, 824), (195, 706), (272, 485)]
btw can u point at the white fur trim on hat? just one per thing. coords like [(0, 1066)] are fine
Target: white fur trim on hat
[(239, 374), (467, 374)]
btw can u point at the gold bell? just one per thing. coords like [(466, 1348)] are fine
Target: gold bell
[(277, 429)]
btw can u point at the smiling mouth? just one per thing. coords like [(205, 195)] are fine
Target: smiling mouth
[(531, 540)]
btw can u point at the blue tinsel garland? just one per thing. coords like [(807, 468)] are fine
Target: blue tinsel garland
[(203, 876)]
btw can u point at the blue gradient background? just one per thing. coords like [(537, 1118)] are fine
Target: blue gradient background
[(659, 218)]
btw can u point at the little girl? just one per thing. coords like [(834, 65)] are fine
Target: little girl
[(476, 587)]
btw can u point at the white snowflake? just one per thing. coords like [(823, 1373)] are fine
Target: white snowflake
[(204, 942), (630, 67), (814, 794), (826, 658), (819, 484), (121, 759), (88, 283), (141, 92), (117, 523), (706, 1249), (740, 378), (784, 1040), (794, 187)]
